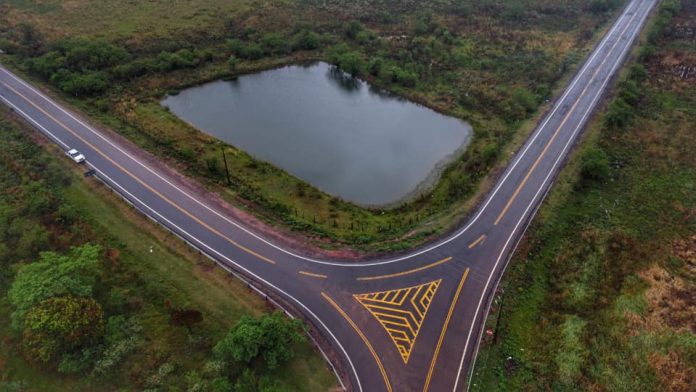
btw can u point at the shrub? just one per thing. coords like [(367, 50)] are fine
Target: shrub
[(396, 74), (82, 54), (275, 44), (232, 62), (352, 29), (525, 99), (80, 84), (61, 325), (30, 39), (51, 276), (351, 62), (269, 337), (184, 58), (212, 165), (595, 165), (618, 114), (306, 40)]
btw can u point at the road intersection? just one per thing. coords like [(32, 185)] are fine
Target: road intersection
[(410, 323)]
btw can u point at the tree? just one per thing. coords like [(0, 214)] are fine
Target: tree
[(269, 337), (53, 275), (61, 325)]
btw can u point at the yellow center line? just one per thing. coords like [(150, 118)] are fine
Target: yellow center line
[(435, 264), (312, 274), (478, 241), (444, 330), (565, 119), (362, 336), (151, 189)]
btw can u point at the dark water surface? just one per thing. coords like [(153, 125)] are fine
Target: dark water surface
[(328, 129)]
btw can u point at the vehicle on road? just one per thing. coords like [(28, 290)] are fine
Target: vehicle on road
[(75, 155)]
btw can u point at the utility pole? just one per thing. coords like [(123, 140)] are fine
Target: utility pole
[(224, 159)]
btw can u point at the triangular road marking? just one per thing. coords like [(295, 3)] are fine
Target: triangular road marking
[(401, 312)]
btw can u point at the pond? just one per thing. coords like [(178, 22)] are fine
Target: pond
[(328, 129)]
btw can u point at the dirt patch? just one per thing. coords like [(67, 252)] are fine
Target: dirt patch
[(685, 250), (671, 301), (674, 374)]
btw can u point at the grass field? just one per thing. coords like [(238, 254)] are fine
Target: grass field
[(490, 63), (126, 19), (600, 294), (150, 271)]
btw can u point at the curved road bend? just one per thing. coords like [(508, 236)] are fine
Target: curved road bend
[(407, 324)]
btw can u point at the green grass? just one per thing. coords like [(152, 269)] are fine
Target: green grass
[(125, 19), (580, 309)]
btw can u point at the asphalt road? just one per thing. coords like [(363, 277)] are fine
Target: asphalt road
[(411, 323)]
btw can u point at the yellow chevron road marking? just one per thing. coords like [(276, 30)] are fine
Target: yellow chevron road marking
[(401, 312)]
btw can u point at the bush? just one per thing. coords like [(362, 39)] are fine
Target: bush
[(232, 62), (305, 40), (352, 29), (351, 62), (525, 99), (30, 39), (82, 54), (396, 74), (61, 325), (269, 337), (595, 165), (184, 58), (80, 85), (51, 276), (618, 114), (212, 165), (275, 44)]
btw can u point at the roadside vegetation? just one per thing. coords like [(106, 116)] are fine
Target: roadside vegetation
[(94, 297), (600, 295), (490, 63)]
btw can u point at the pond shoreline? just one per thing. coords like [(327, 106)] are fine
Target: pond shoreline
[(339, 134)]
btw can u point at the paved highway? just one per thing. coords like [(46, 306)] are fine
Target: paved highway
[(411, 323)]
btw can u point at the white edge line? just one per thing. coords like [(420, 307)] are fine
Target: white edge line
[(509, 170), (258, 278), (562, 155)]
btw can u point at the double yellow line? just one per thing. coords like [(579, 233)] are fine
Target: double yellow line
[(444, 330), (555, 134), (363, 337), (435, 264), (141, 182)]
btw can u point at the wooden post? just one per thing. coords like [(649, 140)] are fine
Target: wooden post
[(224, 159)]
